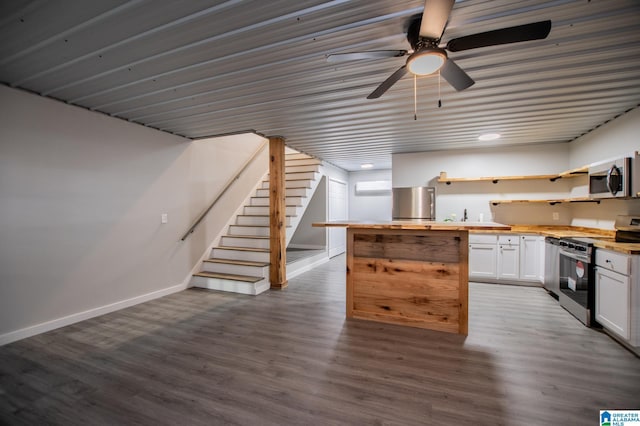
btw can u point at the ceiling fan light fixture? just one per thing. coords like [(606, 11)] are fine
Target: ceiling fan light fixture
[(426, 61)]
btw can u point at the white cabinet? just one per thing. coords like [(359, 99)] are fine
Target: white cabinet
[(482, 260), (530, 259), (483, 251), (613, 301), (508, 257)]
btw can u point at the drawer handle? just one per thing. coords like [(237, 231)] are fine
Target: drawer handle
[(607, 261)]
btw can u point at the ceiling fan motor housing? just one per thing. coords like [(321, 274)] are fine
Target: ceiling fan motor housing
[(414, 39)]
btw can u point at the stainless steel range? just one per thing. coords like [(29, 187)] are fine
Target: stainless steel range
[(577, 278)]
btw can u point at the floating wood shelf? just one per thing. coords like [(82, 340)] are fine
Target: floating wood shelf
[(551, 202), (443, 178), (579, 171)]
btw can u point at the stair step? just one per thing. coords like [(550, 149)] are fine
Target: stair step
[(245, 241), (292, 183), (297, 155), (232, 277), (300, 175), (289, 192), (241, 253), (236, 267), (256, 220), (264, 201), (264, 210), (242, 249), (238, 262), (250, 230), (302, 168), (289, 162)]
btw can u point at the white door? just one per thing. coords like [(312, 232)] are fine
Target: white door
[(337, 211)]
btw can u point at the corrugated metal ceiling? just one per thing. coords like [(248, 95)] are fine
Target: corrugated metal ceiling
[(200, 68)]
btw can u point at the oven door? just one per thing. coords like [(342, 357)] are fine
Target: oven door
[(574, 276), (577, 286)]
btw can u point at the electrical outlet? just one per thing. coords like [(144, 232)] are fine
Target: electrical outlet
[(164, 218), (556, 216)]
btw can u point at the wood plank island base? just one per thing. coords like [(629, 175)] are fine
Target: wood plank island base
[(409, 273)]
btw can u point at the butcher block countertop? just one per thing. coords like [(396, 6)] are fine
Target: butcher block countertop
[(561, 231), (418, 225), (603, 238), (610, 244)]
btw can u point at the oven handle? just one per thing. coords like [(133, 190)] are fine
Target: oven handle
[(584, 259)]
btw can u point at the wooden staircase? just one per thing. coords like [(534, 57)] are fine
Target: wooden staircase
[(240, 264)]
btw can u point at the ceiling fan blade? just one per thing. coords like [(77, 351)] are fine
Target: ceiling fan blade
[(533, 31), (455, 75), (386, 85), (434, 18), (372, 54)]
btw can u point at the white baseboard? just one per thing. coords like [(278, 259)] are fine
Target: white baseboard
[(23, 333), (305, 265), (307, 246)]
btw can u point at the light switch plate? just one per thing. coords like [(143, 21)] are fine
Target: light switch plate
[(164, 218)]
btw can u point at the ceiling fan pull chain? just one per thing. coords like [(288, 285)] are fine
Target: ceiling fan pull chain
[(439, 96), (415, 97)]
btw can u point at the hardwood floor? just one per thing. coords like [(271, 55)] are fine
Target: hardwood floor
[(290, 358)]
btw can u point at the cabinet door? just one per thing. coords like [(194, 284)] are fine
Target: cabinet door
[(541, 259), (508, 262), (529, 258), (482, 261), (612, 301)]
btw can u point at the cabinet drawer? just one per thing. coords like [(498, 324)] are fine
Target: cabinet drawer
[(618, 262), (483, 238), (510, 240)]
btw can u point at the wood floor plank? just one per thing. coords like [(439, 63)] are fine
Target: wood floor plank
[(200, 357)]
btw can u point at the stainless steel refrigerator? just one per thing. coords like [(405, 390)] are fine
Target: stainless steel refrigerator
[(418, 202)]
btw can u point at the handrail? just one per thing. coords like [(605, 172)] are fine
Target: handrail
[(224, 190)]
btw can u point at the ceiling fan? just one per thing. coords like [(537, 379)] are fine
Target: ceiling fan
[(424, 33)]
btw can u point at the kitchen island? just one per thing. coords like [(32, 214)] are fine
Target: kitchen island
[(412, 273)]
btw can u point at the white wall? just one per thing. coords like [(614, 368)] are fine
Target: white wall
[(81, 196), (336, 237), (306, 236), (616, 138), (369, 207), (423, 169)]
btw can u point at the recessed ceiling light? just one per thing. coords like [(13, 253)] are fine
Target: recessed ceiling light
[(489, 136), (366, 166)]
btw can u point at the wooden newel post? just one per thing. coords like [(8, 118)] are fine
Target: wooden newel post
[(277, 214)]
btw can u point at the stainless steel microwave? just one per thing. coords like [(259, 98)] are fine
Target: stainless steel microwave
[(611, 179)]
